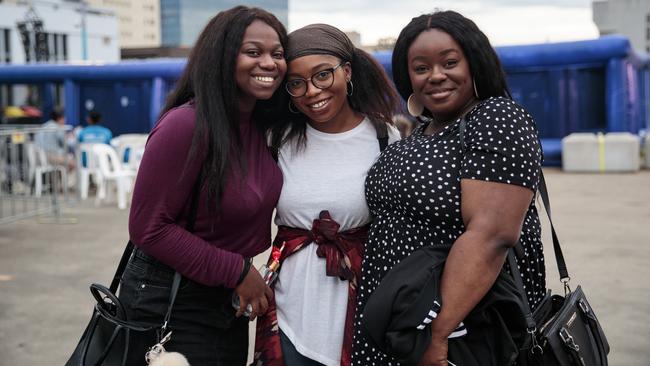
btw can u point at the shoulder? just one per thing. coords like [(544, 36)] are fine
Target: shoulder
[(378, 128), (499, 109), (501, 115), (183, 115), (178, 120), (393, 134), (175, 128)]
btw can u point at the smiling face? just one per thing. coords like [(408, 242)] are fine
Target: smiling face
[(440, 75), (322, 106), (260, 64)]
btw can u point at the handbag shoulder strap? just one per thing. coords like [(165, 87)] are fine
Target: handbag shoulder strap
[(382, 136), (557, 248), (130, 246), (120, 267)]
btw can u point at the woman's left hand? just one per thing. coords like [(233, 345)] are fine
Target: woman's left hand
[(436, 353)]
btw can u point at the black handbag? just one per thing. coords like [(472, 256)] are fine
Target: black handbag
[(111, 339), (563, 330)]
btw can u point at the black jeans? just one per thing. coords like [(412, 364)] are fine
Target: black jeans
[(203, 321), (291, 355)]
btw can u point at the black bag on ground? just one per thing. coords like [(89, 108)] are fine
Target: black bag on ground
[(563, 330)]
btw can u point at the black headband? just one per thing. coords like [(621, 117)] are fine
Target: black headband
[(319, 39)]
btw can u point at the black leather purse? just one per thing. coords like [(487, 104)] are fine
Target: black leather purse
[(563, 330), (111, 339)]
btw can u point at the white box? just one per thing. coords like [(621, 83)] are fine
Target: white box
[(593, 153), (622, 152), (580, 153)]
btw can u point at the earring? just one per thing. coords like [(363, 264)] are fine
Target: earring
[(475, 89), (350, 88), (414, 107), (292, 108)]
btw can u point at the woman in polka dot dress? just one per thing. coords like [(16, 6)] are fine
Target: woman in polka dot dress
[(429, 190)]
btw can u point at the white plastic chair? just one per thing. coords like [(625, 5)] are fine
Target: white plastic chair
[(39, 166), (112, 171), (133, 143), (135, 157), (87, 170)]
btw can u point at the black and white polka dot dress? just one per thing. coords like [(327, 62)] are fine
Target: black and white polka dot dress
[(413, 192)]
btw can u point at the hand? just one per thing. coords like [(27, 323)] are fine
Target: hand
[(436, 353), (254, 291)]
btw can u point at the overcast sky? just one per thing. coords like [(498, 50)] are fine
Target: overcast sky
[(506, 22)]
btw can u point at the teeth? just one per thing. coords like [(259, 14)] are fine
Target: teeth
[(319, 104), (266, 79)]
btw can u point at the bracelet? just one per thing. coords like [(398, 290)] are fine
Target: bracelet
[(244, 271)]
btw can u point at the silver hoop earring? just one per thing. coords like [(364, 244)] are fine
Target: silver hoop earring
[(350, 88), (475, 89), (413, 106), (291, 108)]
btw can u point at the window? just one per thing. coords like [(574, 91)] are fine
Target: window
[(5, 46), (57, 49), (64, 42)]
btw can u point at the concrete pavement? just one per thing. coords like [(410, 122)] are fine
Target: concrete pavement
[(602, 220)]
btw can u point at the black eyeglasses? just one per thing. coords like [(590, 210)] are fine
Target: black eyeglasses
[(322, 80)]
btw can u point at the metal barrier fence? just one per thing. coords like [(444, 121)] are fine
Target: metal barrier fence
[(35, 171)]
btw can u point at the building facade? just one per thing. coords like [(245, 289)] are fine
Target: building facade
[(52, 32), (56, 31), (181, 21), (630, 18), (139, 21)]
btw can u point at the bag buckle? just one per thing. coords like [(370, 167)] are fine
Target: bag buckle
[(568, 340), (156, 350), (567, 288), (536, 348)]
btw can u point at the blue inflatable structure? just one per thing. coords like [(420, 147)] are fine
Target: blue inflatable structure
[(583, 86), (592, 85)]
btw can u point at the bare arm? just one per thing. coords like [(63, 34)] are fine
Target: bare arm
[(493, 214)]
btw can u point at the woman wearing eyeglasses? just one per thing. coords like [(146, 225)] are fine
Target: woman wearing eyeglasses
[(339, 120)]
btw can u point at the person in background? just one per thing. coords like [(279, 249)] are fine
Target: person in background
[(339, 119), (475, 196), (53, 139), (94, 132), (210, 138)]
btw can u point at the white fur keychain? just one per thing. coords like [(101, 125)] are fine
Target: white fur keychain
[(158, 356)]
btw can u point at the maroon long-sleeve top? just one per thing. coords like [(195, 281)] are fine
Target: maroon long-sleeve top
[(213, 253)]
